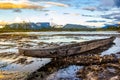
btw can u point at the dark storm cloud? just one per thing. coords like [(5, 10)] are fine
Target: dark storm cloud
[(107, 3), (17, 10), (113, 15), (110, 3), (66, 13), (117, 20), (117, 3), (106, 16), (99, 8), (87, 15), (92, 21), (89, 8), (46, 14), (117, 17)]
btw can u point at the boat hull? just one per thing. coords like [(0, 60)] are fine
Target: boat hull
[(66, 50)]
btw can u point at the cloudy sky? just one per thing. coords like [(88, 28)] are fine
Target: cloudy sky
[(85, 12)]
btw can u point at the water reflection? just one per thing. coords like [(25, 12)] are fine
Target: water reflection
[(11, 46), (68, 73), (31, 65), (65, 32), (114, 49)]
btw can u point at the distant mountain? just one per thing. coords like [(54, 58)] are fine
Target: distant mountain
[(74, 26), (31, 25), (112, 25)]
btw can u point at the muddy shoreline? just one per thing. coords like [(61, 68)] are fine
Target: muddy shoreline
[(55, 65), (115, 35), (65, 33), (61, 63)]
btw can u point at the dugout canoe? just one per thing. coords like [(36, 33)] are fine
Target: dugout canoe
[(66, 50)]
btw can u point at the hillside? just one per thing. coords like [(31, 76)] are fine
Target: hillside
[(110, 26), (74, 26)]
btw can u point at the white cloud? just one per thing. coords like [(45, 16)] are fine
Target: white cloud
[(13, 4), (57, 4), (27, 4), (18, 19)]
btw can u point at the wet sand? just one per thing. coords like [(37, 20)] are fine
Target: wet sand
[(99, 71), (12, 63), (12, 75)]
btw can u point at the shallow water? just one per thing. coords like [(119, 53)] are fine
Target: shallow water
[(36, 64), (68, 73), (65, 32), (114, 49), (11, 46)]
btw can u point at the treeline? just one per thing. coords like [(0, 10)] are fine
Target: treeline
[(111, 28), (44, 29), (25, 28)]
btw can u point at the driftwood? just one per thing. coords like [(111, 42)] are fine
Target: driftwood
[(66, 50), (90, 60), (95, 62)]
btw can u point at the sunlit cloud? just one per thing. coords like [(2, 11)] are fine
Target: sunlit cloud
[(2, 22), (57, 4), (10, 5), (27, 4)]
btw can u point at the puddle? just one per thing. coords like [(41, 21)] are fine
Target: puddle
[(68, 73), (114, 49), (9, 50), (36, 64), (30, 67), (11, 46)]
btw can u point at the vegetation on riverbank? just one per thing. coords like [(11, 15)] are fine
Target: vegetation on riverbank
[(21, 28), (44, 29)]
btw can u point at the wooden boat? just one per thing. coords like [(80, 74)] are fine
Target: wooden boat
[(66, 50)]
